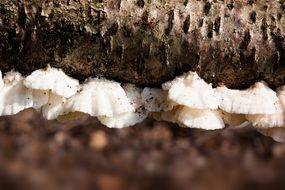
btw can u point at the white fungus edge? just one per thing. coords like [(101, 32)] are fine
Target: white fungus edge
[(187, 100)]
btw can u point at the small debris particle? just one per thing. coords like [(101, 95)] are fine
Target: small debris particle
[(98, 140)]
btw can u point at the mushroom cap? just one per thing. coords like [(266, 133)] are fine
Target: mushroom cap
[(129, 118), (14, 96), (276, 133), (100, 97), (155, 100), (200, 118), (124, 119), (258, 99), (191, 91), (54, 80), (271, 120), (54, 107)]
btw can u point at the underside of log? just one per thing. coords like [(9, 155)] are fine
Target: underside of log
[(147, 42)]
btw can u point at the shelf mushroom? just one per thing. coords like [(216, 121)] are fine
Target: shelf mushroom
[(187, 100), (128, 118), (271, 120), (100, 97), (200, 118), (191, 91), (54, 80), (14, 96), (258, 99)]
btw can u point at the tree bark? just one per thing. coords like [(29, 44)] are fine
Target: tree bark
[(147, 42)]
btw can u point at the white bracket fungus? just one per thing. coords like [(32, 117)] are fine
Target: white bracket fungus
[(14, 96), (54, 80), (131, 117), (259, 99), (187, 100), (271, 120), (54, 107), (200, 118), (100, 97), (191, 91)]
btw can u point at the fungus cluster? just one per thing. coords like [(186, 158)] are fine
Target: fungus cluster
[(187, 100)]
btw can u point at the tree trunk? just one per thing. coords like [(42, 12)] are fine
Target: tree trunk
[(147, 42)]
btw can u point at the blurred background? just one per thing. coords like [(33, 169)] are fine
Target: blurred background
[(83, 154)]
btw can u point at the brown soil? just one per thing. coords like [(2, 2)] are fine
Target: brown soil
[(40, 154)]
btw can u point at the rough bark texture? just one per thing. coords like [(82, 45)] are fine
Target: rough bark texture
[(147, 42)]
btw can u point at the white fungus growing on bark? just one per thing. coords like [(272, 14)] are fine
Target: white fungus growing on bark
[(192, 91), (258, 99), (54, 107), (100, 97), (54, 80), (14, 96), (200, 118), (271, 120), (187, 100), (132, 117)]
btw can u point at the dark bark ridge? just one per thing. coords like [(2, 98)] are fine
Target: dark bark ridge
[(147, 42)]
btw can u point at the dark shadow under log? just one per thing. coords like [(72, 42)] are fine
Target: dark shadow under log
[(231, 42)]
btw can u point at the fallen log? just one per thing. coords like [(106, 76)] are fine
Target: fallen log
[(147, 42)]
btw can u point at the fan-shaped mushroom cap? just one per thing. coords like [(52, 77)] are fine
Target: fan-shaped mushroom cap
[(54, 80), (54, 107), (124, 119), (271, 120), (276, 133), (258, 99), (200, 118), (14, 96), (155, 100), (129, 118), (191, 91), (100, 97)]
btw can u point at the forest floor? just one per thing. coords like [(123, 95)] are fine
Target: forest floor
[(40, 154)]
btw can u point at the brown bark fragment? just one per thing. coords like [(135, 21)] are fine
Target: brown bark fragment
[(147, 42)]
